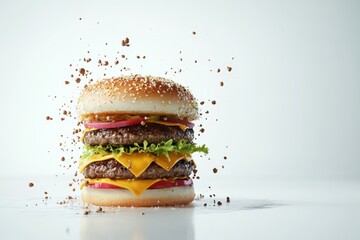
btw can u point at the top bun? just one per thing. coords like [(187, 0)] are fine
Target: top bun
[(140, 95)]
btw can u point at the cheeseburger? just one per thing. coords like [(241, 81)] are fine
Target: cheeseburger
[(138, 142)]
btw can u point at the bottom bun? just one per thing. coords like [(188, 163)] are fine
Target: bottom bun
[(149, 198)]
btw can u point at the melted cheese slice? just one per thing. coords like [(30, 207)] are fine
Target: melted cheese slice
[(135, 186), (137, 163)]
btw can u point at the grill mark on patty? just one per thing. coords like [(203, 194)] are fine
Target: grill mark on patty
[(151, 132), (114, 170)]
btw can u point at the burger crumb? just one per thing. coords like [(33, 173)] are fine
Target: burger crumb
[(229, 69), (218, 70), (125, 42), (82, 71), (227, 199), (142, 213), (213, 102), (194, 33), (205, 204), (99, 209), (221, 84), (219, 203), (215, 170), (86, 212), (77, 80), (31, 184), (62, 159), (202, 103), (67, 82), (225, 157), (49, 118)]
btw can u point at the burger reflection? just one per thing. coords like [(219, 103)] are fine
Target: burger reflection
[(139, 223)]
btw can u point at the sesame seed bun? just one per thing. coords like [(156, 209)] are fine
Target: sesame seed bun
[(137, 94), (172, 196)]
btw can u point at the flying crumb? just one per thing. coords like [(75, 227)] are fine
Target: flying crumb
[(229, 69), (82, 71), (125, 42), (31, 184)]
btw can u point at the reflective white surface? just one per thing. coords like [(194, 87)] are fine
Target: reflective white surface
[(259, 209)]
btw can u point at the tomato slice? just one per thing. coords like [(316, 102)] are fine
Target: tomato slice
[(157, 185), (117, 124), (102, 185)]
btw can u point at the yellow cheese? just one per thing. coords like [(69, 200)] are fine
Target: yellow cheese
[(164, 162), (137, 163), (135, 186)]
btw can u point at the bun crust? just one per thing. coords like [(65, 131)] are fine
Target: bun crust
[(137, 94), (149, 198)]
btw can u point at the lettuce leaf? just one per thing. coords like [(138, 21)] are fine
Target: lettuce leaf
[(159, 149)]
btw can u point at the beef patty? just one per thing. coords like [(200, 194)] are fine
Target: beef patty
[(151, 132), (114, 170)]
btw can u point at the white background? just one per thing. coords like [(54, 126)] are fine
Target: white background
[(290, 107)]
